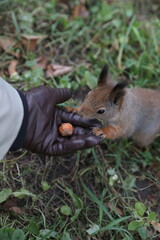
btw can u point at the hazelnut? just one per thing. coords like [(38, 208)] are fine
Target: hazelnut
[(66, 129)]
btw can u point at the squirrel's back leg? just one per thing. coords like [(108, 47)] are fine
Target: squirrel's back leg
[(144, 139)]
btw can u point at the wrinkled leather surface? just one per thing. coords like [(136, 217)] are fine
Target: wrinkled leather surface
[(45, 118)]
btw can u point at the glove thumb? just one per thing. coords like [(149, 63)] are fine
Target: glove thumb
[(60, 95)]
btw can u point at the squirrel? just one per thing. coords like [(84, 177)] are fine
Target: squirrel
[(124, 112)]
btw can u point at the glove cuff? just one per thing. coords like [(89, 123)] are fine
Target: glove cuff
[(18, 142)]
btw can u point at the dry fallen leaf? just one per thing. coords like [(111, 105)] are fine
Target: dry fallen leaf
[(16, 210), (80, 11), (11, 205), (118, 210), (12, 67), (42, 62), (6, 44), (55, 70), (31, 41), (156, 225)]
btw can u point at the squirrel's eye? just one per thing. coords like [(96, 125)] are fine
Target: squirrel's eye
[(101, 111)]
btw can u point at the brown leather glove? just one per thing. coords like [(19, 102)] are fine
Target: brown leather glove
[(44, 119)]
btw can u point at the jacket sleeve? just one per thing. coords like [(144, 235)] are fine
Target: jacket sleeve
[(11, 116)]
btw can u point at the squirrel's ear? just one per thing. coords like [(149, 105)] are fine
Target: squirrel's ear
[(103, 76), (118, 92)]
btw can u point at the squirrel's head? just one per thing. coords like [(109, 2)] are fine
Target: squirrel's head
[(105, 101)]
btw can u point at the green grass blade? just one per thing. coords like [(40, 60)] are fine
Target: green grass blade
[(97, 201)]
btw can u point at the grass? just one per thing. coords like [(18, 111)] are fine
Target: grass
[(96, 194)]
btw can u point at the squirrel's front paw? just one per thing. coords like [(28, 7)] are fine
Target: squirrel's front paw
[(98, 131), (111, 132)]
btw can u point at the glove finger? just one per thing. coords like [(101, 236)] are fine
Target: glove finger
[(81, 131), (77, 120), (66, 147), (60, 95), (90, 140)]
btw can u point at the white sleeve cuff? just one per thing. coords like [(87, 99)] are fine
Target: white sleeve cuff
[(11, 116)]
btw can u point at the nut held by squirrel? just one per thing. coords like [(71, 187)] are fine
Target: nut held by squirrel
[(66, 129)]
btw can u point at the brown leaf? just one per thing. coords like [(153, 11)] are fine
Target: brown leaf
[(11, 205), (156, 225), (12, 67), (50, 71), (54, 70), (118, 210), (42, 62), (31, 41), (16, 210), (6, 44), (80, 11)]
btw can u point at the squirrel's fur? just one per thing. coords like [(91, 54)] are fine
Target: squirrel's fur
[(123, 112)]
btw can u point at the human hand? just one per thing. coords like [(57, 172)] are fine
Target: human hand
[(44, 119)]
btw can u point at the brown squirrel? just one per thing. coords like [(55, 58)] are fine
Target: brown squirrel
[(123, 112)]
